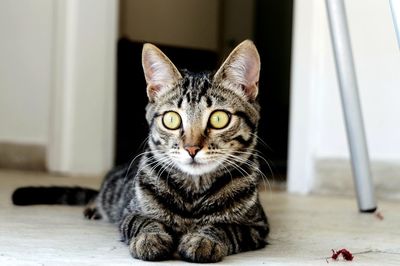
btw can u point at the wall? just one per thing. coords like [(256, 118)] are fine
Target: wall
[(236, 30), (25, 64), (377, 61), (317, 127), (57, 86), (188, 23), (81, 139)]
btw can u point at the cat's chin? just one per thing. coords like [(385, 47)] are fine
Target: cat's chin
[(197, 169)]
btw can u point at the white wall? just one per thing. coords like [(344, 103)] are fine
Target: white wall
[(25, 64), (377, 60), (57, 86), (82, 125), (317, 127)]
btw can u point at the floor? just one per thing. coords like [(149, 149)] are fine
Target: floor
[(304, 231)]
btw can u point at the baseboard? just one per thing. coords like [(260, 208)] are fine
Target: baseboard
[(22, 156), (334, 177)]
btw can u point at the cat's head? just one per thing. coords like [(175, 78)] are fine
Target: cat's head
[(202, 123)]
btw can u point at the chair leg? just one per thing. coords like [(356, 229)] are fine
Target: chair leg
[(395, 8), (351, 105)]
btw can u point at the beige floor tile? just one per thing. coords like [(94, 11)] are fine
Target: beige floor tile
[(304, 230)]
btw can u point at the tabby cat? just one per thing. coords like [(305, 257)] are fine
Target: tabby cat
[(193, 192)]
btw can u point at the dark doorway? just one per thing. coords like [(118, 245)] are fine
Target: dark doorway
[(272, 33), (273, 37)]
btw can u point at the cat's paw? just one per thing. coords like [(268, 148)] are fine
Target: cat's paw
[(151, 246), (201, 248), (91, 213)]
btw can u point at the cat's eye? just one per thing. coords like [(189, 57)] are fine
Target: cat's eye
[(219, 119), (171, 120)]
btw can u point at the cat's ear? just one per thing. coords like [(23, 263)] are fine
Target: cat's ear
[(159, 71), (241, 70)]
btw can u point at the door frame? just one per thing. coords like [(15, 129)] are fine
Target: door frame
[(82, 100), (310, 44)]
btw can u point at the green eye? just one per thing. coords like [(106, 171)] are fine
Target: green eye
[(171, 120), (219, 119)]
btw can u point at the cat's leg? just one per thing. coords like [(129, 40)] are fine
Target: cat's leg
[(147, 239), (91, 212), (213, 242)]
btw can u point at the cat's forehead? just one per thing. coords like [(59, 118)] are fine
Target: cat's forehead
[(197, 92), (194, 88), (196, 95)]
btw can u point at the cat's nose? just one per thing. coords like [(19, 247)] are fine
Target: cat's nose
[(192, 150)]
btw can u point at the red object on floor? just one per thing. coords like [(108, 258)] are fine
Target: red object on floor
[(379, 215), (345, 253)]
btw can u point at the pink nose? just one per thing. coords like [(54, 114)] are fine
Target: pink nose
[(192, 150)]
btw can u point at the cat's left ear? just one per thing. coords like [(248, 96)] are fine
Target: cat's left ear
[(160, 73), (241, 70)]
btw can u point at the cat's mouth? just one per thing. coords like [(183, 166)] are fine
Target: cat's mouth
[(194, 163), (195, 167)]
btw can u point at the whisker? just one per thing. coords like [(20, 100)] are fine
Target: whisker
[(256, 154), (261, 141), (136, 157), (168, 163), (253, 166), (153, 161)]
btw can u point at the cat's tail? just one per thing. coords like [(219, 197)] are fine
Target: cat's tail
[(53, 195)]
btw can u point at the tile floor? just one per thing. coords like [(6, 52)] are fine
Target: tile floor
[(304, 230)]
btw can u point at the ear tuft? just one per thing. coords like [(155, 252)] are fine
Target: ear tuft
[(160, 73), (241, 70)]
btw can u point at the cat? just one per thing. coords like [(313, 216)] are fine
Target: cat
[(193, 192)]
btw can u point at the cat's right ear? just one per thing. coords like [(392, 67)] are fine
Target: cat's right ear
[(241, 70), (160, 73)]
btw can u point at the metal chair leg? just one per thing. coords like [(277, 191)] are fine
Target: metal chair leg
[(351, 105), (395, 8)]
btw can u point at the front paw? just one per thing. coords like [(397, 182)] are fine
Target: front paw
[(151, 246), (201, 248)]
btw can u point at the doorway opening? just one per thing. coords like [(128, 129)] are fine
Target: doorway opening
[(197, 35)]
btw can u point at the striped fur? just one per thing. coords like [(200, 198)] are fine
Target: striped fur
[(202, 208), (193, 192)]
